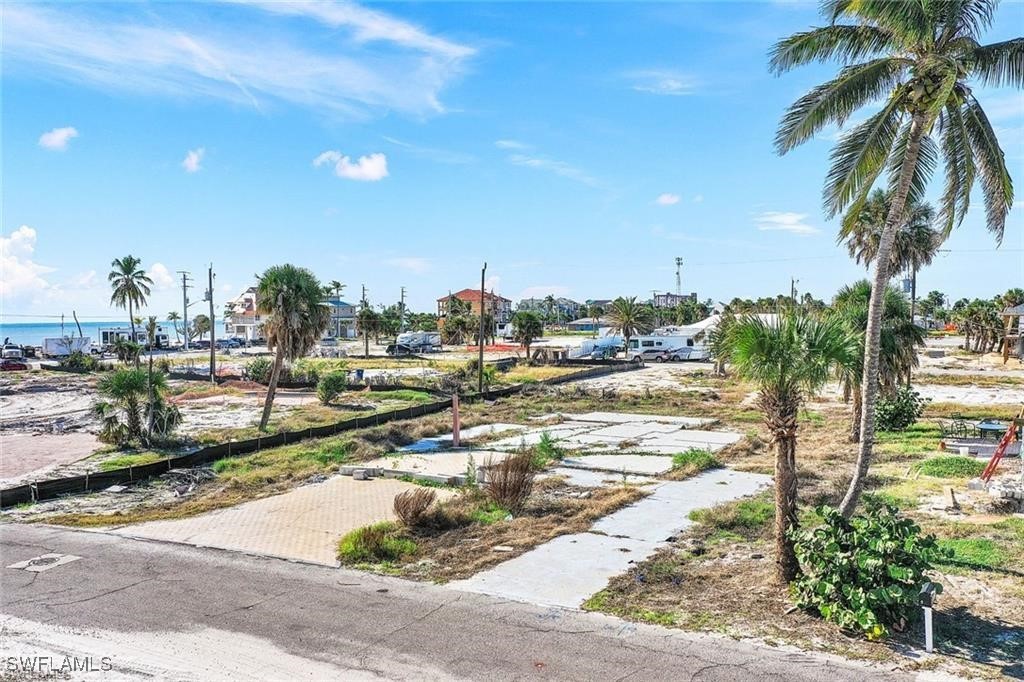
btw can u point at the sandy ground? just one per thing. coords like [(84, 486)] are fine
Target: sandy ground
[(27, 453), (669, 376)]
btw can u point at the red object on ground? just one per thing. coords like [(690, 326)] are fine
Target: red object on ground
[(497, 347), (997, 456)]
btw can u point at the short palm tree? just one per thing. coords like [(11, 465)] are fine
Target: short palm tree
[(290, 299), (916, 242), (900, 340), (629, 318), (126, 389), (789, 359), (367, 322), (528, 326), (130, 285), (915, 57)]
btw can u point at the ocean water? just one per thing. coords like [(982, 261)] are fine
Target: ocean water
[(33, 333)]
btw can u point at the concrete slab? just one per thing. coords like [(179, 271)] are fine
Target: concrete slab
[(444, 441), (649, 465), (570, 568), (448, 463), (685, 436), (635, 430), (587, 478), (628, 417), (304, 524)]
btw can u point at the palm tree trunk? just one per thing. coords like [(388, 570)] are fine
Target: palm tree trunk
[(857, 412), (786, 566), (272, 388), (872, 340), (913, 307), (134, 420), (131, 318), (366, 343), (152, 396)]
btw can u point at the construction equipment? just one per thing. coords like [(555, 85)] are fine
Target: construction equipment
[(1009, 437)]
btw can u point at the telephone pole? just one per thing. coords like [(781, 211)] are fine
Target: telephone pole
[(480, 341), (679, 276), (213, 327), (792, 289), (185, 276), (401, 312)]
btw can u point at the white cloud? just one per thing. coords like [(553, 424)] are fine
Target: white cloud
[(560, 168), (367, 168), (87, 280), (161, 276), (58, 138), (784, 222), (353, 63), (22, 277), (662, 82), (410, 263), (510, 144), (193, 160), (667, 199)]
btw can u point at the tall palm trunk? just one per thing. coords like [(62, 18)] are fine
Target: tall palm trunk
[(781, 416), (873, 334), (857, 412), (275, 374), (913, 307), (152, 397), (366, 343)]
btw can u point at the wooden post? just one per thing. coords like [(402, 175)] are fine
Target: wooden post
[(455, 420)]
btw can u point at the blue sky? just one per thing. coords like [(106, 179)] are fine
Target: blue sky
[(577, 148)]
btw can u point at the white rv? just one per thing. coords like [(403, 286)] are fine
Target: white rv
[(670, 344), (420, 341), (109, 335)]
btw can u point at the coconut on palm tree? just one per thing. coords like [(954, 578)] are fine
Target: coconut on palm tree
[(629, 318), (789, 359), (130, 285), (290, 299), (914, 60), (900, 340)]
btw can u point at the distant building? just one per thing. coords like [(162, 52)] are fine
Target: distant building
[(587, 324), (242, 320), (604, 303), (499, 307), (669, 300), (564, 308)]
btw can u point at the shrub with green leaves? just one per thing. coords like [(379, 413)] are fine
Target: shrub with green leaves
[(79, 361), (379, 543), (258, 370), (864, 573), (331, 385), (898, 411), (951, 466)]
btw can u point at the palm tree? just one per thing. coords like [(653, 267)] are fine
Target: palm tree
[(151, 340), (173, 317), (789, 360), (291, 300), (629, 318), (900, 339), (1012, 298), (549, 305), (126, 388), (915, 246), (335, 287), (367, 322), (130, 285), (919, 56), (528, 326)]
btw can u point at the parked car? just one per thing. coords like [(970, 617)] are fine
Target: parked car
[(228, 343), (399, 349), (12, 365), (199, 345), (655, 354), (604, 353)]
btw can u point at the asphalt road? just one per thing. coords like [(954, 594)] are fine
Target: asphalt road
[(132, 609)]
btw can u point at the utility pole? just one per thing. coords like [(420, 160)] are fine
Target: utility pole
[(363, 299), (657, 310), (792, 289), (480, 341), (213, 327), (679, 276), (184, 303), (401, 312)]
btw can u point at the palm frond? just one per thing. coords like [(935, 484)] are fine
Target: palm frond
[(834, 101), (859, 158), (959, 160), (927, 160), (838, 41), (907, 19), (1000, 64), (996, 185)]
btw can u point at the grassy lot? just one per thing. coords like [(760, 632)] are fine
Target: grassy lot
[(718, 576), (981, 380)]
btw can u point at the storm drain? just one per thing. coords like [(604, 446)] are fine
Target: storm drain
[(44, 562)]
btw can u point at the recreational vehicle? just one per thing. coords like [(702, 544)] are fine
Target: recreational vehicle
[(109, 335)]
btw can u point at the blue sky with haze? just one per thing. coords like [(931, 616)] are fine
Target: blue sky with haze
[(577, 148)]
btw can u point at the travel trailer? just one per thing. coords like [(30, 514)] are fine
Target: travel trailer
[(676, 343), (420, 342), (109, 335)]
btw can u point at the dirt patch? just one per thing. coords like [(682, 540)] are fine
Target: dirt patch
[(33, 456)]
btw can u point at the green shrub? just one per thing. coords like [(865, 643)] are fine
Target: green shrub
[(695, 460), (865, 573), (546, 450), (330, 386), (951, 466), (379, 543), (976, 552), (80, 361), (898, 411), (489, 513), (258, 370)]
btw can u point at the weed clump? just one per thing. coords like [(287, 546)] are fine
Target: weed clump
[(694, 461), (951, 466), (330, 386), (411, 505), (510, 482), (376, 544)]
